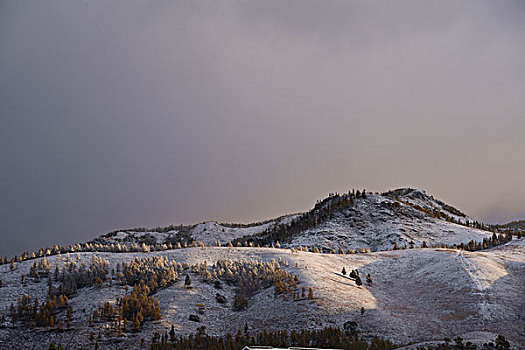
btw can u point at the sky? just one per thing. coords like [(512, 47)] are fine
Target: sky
[(138, 114)]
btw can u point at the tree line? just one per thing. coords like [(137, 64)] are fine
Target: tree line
[(328, 337)]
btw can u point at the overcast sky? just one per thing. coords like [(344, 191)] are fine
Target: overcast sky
[(120, 114)]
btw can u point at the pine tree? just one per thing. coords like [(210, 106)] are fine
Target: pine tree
[(310, 293), (502, 343), (358, 281), (187, 282), (343, 271), (172, 334), (494, 239)]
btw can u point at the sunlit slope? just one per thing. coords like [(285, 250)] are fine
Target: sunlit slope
[(377, 222), (416, 295)]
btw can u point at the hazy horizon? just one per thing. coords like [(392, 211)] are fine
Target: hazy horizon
[(131, 113)]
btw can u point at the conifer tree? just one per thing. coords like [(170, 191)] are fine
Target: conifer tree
[(369, 279), (358, 281), (172, 333), (502, 343), (494, 239)]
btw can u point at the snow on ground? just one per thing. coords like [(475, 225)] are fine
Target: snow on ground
[(211, 232), (416, 295), (374, 223), (151, 237), (477, 338), (422, 199), (208, 232)]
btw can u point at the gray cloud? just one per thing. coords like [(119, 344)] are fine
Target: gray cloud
[(139, 114)]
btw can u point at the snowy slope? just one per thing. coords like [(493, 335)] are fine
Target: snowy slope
[(416, 295), (377, 224), (208, 232), (211, 232)]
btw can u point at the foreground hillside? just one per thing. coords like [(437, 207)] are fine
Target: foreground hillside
[(400, 265), (415, 295)]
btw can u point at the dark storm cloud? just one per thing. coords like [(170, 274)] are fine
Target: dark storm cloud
[(118, 114)]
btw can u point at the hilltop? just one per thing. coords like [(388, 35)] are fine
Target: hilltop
[(351, 221), (514, 225)]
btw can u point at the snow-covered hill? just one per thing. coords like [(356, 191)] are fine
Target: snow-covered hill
[(208, 232), (416, 295), (376, 222)]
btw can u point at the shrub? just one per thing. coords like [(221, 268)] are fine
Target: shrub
[(221, 299), (239, 302)]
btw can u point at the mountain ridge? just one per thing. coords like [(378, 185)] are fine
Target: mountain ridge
[(372, 213), (354, 221), (413, 261)]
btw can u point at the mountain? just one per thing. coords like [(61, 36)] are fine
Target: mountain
[(352, 222), (514, 225), (118, 290), (379, 221), (208, 232)]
